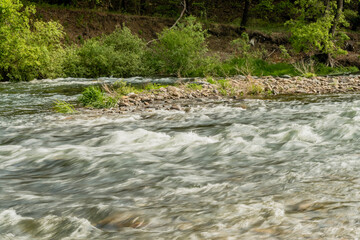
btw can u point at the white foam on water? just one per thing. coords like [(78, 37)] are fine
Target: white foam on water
[(84, 230), (191, 138), (9, 217), (210, 187), (139, 136), (307, 134)]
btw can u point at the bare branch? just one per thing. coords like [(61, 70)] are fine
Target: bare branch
[(177, 21)]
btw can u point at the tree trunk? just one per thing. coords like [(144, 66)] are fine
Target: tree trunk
[(339, 9), (245, 15), (142, 7)]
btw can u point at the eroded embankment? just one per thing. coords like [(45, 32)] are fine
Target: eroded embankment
[(184, 95)]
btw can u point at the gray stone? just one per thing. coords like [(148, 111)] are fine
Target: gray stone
[(175, 107)]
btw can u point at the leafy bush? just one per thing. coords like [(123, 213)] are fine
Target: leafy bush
[(27, 52), (93, 96), (314, 31), (120, 54), (315, 37), (180, 50), (242, 45)]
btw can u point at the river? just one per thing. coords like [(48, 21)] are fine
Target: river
[(282, 168)]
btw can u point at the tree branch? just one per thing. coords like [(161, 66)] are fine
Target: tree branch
[(176, 22)]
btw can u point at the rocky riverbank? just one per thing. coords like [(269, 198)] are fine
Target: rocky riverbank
[(185, 94)]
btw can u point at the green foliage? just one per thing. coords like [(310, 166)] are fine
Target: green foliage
[(122, 88), (225, 88), (257, 67), (64, 107), (314, 37), (352, 17), (194, 86), (313, 31), (27, 52), (322, 69), (305, 68), (170, 9), (310, 68), (180, 50), (284, 52), (242, 45), (120, 54), (94, 96), (210, 80), (273, 11), (264, 8), (255, 89), (153, 86)]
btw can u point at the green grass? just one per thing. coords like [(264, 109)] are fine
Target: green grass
[(194, 86), (210, 80), (122, 88), (321, 69), (108, 96), (153, 86), (255, 89), (94, 96), (63, 107), (255, 67)]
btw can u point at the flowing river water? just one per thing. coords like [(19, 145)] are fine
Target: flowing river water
[(284, 168)]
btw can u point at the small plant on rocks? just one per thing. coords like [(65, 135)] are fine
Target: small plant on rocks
[(255, 89), (194, 86), (94, 96), (64, 107)]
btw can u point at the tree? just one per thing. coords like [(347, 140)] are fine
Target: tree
[(26, 49), (245, 15), (315, 30)]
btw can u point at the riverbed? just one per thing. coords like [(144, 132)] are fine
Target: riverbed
[(281, 168)]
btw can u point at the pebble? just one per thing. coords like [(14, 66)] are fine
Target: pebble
[(176, 107)]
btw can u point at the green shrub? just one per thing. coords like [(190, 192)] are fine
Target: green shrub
[(120, 54), (94, 96), (27, 52), (129, 53), (89, 60), (242, 45), (180, 50)]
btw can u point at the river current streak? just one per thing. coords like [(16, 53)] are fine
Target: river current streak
[(285, 168)]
